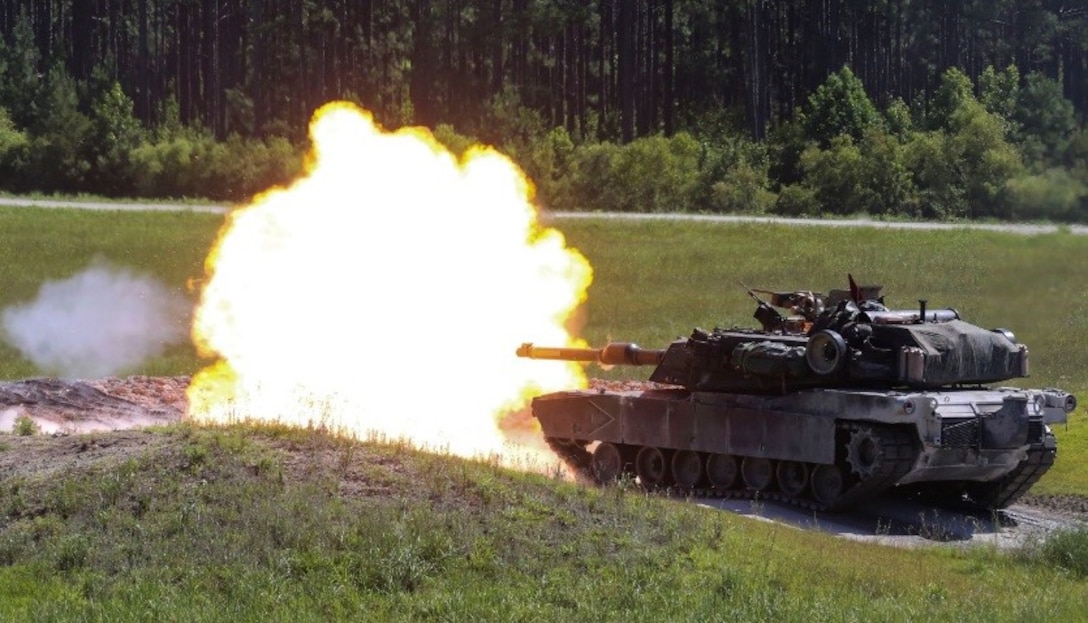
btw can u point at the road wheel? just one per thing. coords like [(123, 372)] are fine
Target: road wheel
[(758, 474), (687, 468), (652, 467), (827, 484), (607, 463), (792, 478), (721, 470)]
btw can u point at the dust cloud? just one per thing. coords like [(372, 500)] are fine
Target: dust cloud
[(101, 321)]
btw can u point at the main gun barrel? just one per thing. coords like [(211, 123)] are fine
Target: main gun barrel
[(613, 354)]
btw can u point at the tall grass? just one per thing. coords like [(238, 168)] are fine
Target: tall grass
[(247, 524), (1065, 549)]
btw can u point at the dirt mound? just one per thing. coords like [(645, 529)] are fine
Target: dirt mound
[(61, 406), (1066, 504)]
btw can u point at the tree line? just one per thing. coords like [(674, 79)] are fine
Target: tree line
[(168, 97)]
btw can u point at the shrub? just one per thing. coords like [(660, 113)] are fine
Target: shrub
[(115, 132), (188, 163), (935, 172), (885, 183), (457, 143), (1044, 117), (25, 426), (250, 166), (653, 174), (14, 146), (796, 200), (1051, 195), (59, 140), (586, 184), (546, 160), (1065, 549), (733, 175), (742, 189), (833, 174), (986, 160)]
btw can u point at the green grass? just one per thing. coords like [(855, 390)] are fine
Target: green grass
[(251, 524), (655, 281), (281, 525), (39, 245)]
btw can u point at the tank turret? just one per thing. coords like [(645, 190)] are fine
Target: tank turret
[(837, 340), (833, 400)]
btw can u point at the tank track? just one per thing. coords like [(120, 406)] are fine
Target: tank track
[(1003, 492), (574, 455), (898, 451)]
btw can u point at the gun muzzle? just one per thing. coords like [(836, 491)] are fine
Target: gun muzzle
[(613, 354)]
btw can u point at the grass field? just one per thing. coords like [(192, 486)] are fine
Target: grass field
[(277, 525), (271, 525), (39, 245), (654, 281)]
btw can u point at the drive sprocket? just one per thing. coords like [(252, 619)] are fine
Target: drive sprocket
[(864, 452)]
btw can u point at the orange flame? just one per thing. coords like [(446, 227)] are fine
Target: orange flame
[(384, 293)]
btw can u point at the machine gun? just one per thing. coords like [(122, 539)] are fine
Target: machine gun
[(767, 315)]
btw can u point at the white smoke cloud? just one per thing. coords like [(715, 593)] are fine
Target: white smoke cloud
[(98, 322)]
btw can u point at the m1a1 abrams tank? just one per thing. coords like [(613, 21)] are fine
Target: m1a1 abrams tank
[(835, 402)]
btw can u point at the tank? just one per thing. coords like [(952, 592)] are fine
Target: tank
[(832, 401)]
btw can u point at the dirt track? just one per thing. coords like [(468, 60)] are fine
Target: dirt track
[(116, 408), (1027, 229)]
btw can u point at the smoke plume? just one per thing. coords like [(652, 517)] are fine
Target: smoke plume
[(98, 322)]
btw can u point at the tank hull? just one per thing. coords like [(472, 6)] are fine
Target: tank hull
[(839, 402), (965, 443)]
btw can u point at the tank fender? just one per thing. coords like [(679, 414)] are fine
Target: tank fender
[(1007, 428), (679, 420)]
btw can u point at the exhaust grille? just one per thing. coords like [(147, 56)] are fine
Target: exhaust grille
[(959, 433), (1035, 430)]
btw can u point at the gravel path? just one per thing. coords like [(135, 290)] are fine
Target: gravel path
[(1027, 229), (17, 202)]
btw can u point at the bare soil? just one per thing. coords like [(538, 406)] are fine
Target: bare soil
[(119, 409), (80, 406)]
